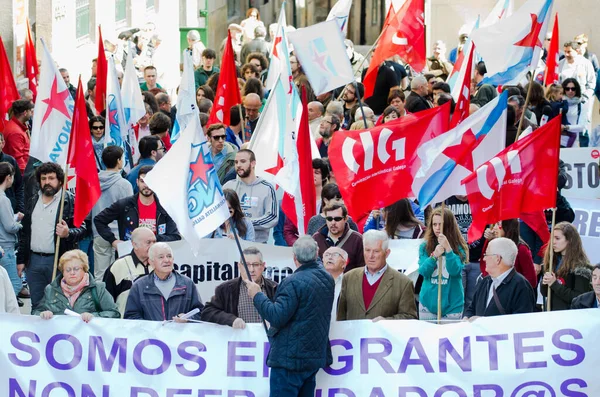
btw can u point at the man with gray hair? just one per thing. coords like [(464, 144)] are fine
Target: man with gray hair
[(299, 321), (335, 108), (335, 261), (257, 44), (376, 291), (163, 294), (417, 99), (231, 304), (315, 115), (503, 291)]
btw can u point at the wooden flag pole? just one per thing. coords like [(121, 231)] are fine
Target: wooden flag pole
[(60, 216), (551, 262), (440, 269), (520, 129)]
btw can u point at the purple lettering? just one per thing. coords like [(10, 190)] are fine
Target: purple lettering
[(414, 344), (137, 357), (595, 225), (477, 389), (442, 390), (77, 352), (338, 391), (379, 357), (245, 393), (183, 353), (492, 341), (55, 385), (119, 347), (346, 360), (15, 390), (178, 392), (403, 391), (564, 388), (266, 349), (445, 348), (520, 350), (580, 222), (32, 351), (232, 358), (86, 391), (135, 392), (377, 392), (572, 347), (202, 393)]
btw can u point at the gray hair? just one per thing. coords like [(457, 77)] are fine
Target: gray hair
[(369, 114), (335, 108), (193, 35), (260, 31), (374, 236), (156, 246), (504, 247), (252, 251), (305, 249), (417, 82), (319, 106)]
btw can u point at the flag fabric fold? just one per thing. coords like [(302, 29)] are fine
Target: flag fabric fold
[(101, 75), (551, 75), (227, 94), (52, 115), (31, 65), (375, 168), (450, 157), (279, 60), (520, 179), (463, 99), (133, 104), (340, 13), (8, 87), (117, 128), (502, 9), (81, 158), (321, 51), (186, 98)]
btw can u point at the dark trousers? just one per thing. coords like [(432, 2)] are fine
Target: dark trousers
[(286, 383), (39, 275)]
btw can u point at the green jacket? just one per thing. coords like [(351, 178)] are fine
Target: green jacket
[(55, 300), (453, 297), (201, 76)]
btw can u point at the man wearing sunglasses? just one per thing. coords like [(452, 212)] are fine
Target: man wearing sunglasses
[(337, 233), (219, 148)]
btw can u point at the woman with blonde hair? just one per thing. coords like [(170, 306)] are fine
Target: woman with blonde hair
[(448, 247), (74, 288), (571, 273)]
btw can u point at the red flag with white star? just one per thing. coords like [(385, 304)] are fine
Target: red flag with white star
[(51, 129), (101, 74), (228, 93), (81, 158), (8, 88), (31, 64)]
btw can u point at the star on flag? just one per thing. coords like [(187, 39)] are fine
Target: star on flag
[(56, 100)]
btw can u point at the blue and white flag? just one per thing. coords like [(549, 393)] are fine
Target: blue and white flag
[(133, 104), (186, 183), (321, 51), (117, 131), (502, 9), (452, 156), (186, 98), (340, 12), (512, 46)]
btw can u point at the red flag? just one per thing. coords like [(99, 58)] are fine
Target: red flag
[(521, 178), (101, 73), (552, 57), (404, 36), (81, 158), (304, 207), (461, 111), (375, 168), (8, 87), (31, 64), (228, 93)]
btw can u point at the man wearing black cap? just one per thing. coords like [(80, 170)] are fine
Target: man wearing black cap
[(16, 132)]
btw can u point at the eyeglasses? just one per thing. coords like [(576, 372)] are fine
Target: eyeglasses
[(498, 255), (333, 255), (97, 127), (570, 89), (72, 269), (334, 218), (255, 264), (219, 137), (161, 149)]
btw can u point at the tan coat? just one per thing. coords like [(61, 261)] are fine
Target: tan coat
[(394, 298)]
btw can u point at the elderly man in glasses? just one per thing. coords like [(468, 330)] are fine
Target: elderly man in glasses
[(337, 233), (335, 260), (503, 291)]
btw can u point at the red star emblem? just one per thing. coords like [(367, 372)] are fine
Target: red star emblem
[(533, 37), (277, 41), (461, 153), (278, 166), (56, 100), (200, 169)]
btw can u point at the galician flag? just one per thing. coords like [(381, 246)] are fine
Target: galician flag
[(186, 98), (117, 127), (133, 104), (321, 51), (185, 180), (502, 9), (279, 61), (340, 12), (51, 130)]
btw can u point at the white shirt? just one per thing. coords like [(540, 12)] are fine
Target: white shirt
[(8, 300), (496, 281), (373, 278), (336, 295)]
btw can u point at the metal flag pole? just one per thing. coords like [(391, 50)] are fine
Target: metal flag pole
[(440, 269)]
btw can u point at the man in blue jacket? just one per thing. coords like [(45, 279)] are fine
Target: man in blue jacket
[(299, 319)]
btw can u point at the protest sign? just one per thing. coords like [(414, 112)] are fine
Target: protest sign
[(587, 222), (583, 177)]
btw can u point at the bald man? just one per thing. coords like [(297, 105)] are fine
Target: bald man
[(252, 104), (119, 277), (315, 115)]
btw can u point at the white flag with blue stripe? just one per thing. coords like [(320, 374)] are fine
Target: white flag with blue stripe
[(133, 104), (186, 98), (340, 13), (117, 131)]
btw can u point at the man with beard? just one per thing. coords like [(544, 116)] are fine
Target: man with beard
[(352, 92), (329, 125), (257, 196), (41, 226), (140, 210)]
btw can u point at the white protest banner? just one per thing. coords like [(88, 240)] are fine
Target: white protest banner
[(583, 177), (542, 354), (218, 261), (587, 222)]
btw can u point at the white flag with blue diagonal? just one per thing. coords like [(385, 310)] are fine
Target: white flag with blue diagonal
[(186, 99), (340, 12), (321, 51)]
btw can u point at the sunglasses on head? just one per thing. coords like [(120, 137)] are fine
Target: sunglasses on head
[(334, 218)]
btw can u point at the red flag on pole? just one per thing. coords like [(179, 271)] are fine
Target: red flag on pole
[(81, 158), (520, 179), (31, 64), (551, 76), (300, 208), (228, 93), (8, 87), (404, 36), (101, 73), (461, 111)]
